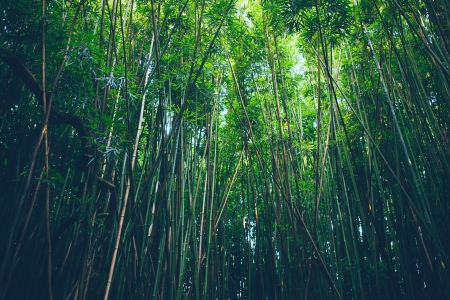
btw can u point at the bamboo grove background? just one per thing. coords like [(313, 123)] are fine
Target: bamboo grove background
[(224, 150)]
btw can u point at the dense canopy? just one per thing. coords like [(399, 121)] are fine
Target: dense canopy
[(223, 149)]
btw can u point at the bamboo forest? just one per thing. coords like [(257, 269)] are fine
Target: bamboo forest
[(224, 149)]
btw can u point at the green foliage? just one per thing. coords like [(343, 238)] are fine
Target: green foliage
[(222, 150)]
